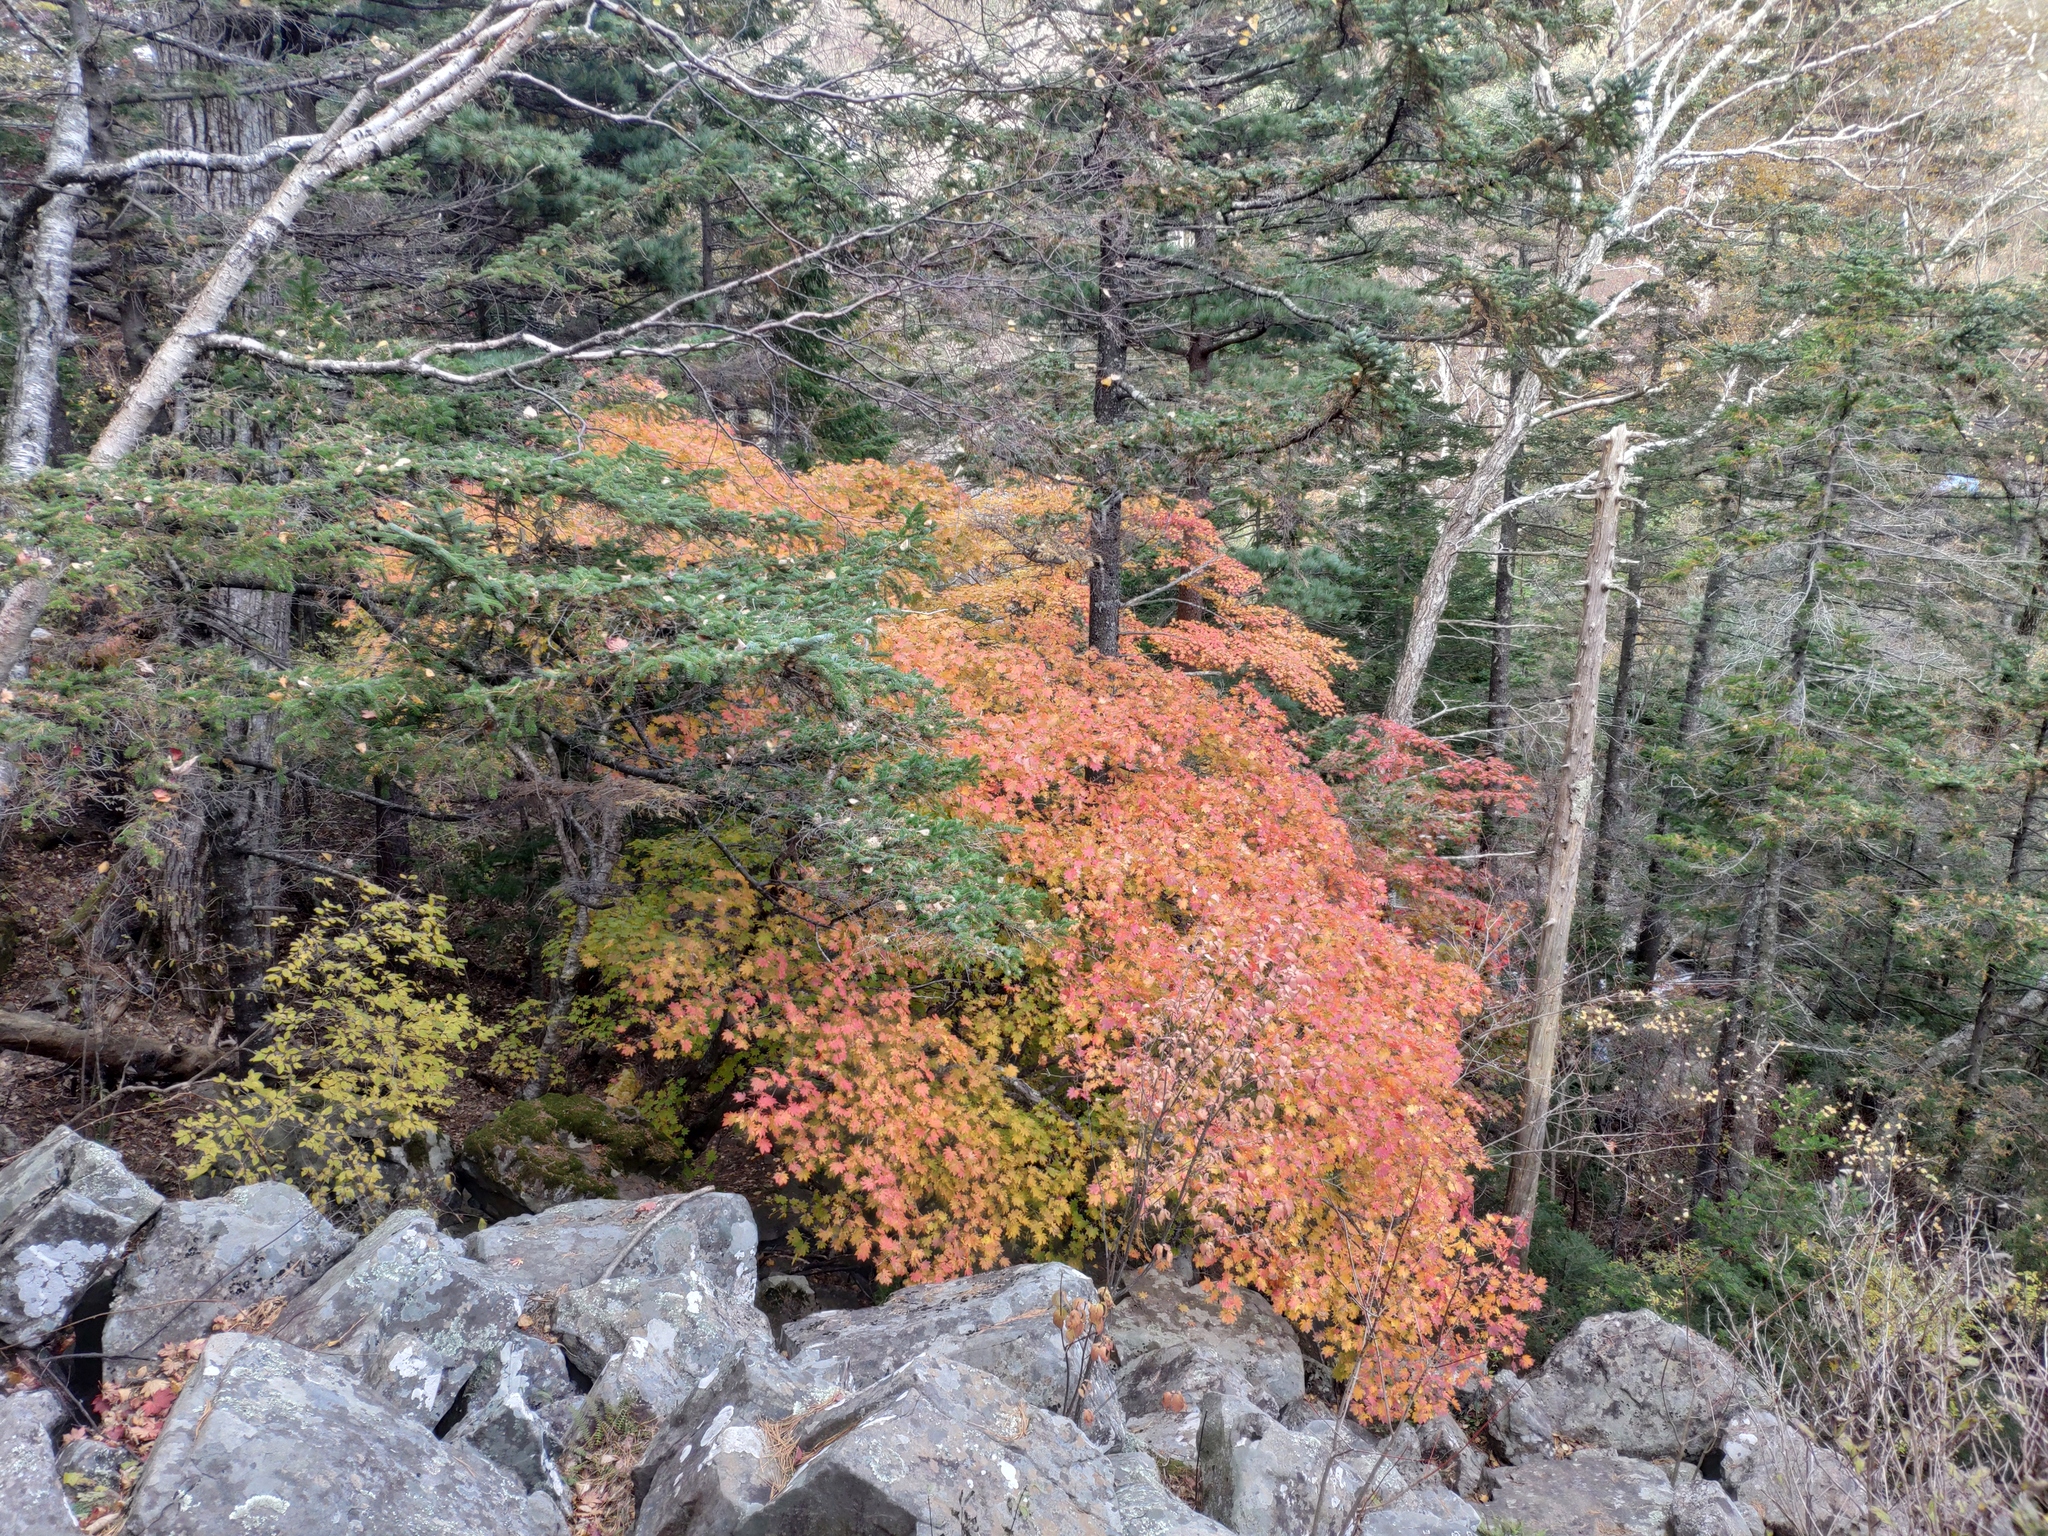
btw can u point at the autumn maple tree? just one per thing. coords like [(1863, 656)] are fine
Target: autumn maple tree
[(1209, 1035)]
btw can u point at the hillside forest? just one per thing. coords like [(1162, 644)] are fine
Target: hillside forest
[(1394, 644)]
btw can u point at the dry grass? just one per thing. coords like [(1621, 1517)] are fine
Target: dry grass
[(599, 1472)]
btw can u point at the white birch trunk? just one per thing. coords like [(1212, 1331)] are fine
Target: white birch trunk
[(42, 290), (450, 76)]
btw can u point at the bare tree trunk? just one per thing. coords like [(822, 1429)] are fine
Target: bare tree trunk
[(18, 618), (1619, 726), (258, 624), (1111, 404), (1479, 493), (1498, 677), (42, 287), (446, 77), (1567, 836), (393, 835)]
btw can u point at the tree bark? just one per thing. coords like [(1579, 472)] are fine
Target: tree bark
[(256, 623), (1499, 662), (2015, 866), (1112, 401), (18, 617), (1567, 836), (393, 835), (42, 287), (1619, 727), (449, 75)]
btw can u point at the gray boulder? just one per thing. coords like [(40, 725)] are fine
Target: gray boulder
[(720, 1457), (1145, 1506), (686, 1316), (91, 1470), (68, 1207), (1160, 1311), (32, 1501), (1446, 1446), (207, 1259), (1518, 1420), (941, 1449), (507, 1423), (571, 1246), (1633, 1383), (1592, 1493), (1701, 1507), (407, 1314), (1261, 1478), (1186, 1368), (1419, 1512), (1000, 1322), (269, 1440), (1168, 1436), (1795, 1487)]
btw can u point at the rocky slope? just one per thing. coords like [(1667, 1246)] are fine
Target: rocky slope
[(269, 1373)]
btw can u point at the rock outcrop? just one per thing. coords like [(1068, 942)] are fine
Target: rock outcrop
[(1628, 1382), (1001, 1322), (271, 1440), (1202, 1346), (722, 1456), (201, 1260), (68, 1207), (1594, 1493), (32, 1501), (1261, 1478), (589, 1241), (1794, 1487), (940, 1446), (407, 1314), (414, 1384)]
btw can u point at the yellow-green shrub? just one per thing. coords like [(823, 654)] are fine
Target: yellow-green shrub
[(359, 1057)]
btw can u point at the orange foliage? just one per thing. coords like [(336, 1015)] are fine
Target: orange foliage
[(1227, 1036), (1406, 796)]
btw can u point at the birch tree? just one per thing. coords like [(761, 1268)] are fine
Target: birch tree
[(1715, 86)]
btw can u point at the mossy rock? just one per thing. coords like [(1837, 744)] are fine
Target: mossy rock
[(542, 1152)]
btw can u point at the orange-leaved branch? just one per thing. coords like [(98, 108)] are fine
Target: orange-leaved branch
[(1217, 1038)]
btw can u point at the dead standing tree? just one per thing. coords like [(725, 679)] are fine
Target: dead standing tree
[(1700, 104), (1567, 843)]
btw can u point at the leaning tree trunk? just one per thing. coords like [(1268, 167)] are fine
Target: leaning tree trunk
[(1434, 595), (445, 78), (1499, 663), (42, 288), (18, 615), (1567, 837)]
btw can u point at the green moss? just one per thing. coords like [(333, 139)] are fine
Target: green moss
[(568, 1144)]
